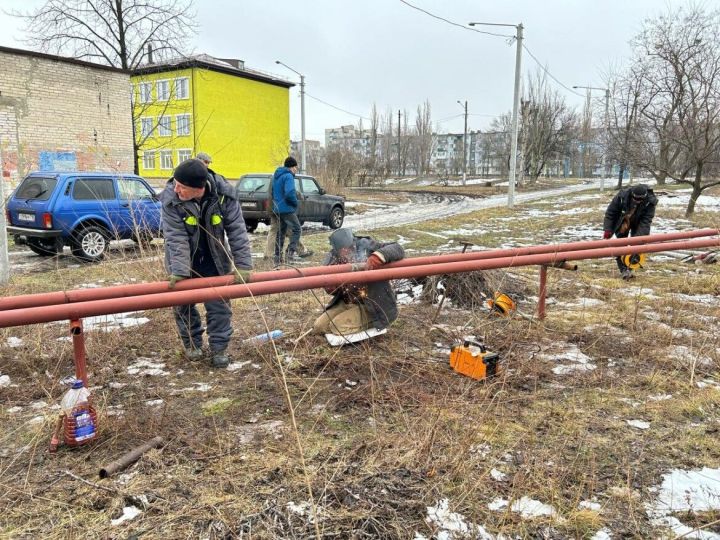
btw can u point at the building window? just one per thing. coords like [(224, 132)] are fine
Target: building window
[(146, 126), (166, 159), (163, 90), (182, 124), (182, 88), (149, 159), (185, 153), (145, 89), (164, 129)]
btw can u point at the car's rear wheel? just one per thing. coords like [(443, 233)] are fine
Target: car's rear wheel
[(251, 225), (45, 247), (336, 218), (90, 243)]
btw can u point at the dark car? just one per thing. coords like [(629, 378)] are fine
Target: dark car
[(254, 193), (83, 210)]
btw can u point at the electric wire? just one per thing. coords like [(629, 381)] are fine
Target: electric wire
[(337, 108), (454, 23), (547, 72)]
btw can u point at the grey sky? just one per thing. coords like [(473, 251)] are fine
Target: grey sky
[(354, 53)]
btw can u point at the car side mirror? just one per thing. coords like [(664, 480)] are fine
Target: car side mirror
[(322, 191)]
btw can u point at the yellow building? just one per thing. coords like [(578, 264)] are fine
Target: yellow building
[(203, 104)]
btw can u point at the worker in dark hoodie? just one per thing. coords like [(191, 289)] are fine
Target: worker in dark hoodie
[(285, 206), (630, 213), (205, 236)]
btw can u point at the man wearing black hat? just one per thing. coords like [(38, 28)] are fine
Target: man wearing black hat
[(359, 308), (204, 236), (630, 213), (285, 205)]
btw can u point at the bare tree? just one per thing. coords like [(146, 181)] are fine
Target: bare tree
[(113, 32), (682, 114), (423, 138)]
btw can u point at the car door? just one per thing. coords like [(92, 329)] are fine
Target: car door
[(302, 203), (313, 199), (97, 197), (139, 207)]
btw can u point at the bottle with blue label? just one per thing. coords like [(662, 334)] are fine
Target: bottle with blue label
[(263, 338), (80, 419)]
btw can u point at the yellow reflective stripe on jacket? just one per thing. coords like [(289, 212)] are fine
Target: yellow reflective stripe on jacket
[(216, 219), (191, 220)]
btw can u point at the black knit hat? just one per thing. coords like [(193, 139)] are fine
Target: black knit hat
[(191, 173), (290, 162), (639, 192)]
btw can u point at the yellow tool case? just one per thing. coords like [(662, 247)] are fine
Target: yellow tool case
[(473, 359)]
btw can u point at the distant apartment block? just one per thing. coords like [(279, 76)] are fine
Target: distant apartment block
[(349, 137), (241, 117), (59, 114)]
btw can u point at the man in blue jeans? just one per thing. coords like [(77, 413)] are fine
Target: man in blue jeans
[(285, 205)]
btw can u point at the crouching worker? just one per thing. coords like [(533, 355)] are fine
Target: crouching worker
[(630, 213), (359, 311), (204, 236)]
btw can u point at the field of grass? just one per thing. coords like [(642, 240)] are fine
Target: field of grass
[(617, 387)]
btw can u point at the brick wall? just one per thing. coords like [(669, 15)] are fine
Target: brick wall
[(62, 115)]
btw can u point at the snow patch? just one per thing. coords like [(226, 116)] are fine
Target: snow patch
[(146, 366), (639, 424), (452, 524), (686, 491), (13, 341), (129, 512), (4, 381)]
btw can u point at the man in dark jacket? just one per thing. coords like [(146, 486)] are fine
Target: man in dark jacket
[(630, 213), (356, 308), (285, 205), (204, 236)]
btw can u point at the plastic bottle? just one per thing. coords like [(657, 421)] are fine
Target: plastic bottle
[(80, 424), (263, 338)]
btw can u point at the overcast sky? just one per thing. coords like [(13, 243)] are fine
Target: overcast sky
[(356, 52)]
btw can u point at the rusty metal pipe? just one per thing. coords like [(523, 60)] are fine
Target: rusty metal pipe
[(153, 301), (542, 292), (121, 291), (130, 457), (78, 339)]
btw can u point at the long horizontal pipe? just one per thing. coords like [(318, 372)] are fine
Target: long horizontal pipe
[(120, 291), (79, 310)]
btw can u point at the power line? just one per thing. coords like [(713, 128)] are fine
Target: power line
[(454, 23), (338, 108), (550, 74)]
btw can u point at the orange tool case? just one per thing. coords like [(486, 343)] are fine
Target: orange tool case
[(472, 359)]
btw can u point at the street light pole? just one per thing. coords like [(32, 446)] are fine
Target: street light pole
[(464, 180), (607, 129), (302, 115), (516, 106)]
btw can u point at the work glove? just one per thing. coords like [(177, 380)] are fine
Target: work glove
[(242, 276), (374, 262), (174, 278), (607, 234)]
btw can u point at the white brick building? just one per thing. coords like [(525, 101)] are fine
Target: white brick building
[(59, 113)]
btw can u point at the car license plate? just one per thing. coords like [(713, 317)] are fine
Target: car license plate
[(248, 205), (26, 217)]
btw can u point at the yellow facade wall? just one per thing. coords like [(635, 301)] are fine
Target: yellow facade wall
[(243, 124)]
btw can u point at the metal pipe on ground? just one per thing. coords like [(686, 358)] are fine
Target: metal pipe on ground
[(176, 298), (130, 457), (121, 291)]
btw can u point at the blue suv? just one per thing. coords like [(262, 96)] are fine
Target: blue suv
[(49, 210)]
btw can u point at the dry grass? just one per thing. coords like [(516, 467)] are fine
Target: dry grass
[(385, 428)]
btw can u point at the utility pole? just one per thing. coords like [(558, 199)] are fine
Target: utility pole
[(516, 106), (303, 150), (605, 161), (464, 180), (4, 261), (399, 164)]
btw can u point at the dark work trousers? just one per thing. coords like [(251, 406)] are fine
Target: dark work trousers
[(620, 263), (289, 220), (218, 314)]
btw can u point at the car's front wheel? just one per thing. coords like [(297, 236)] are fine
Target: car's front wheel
[(45, 247), (90, 243), (336, 218)]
